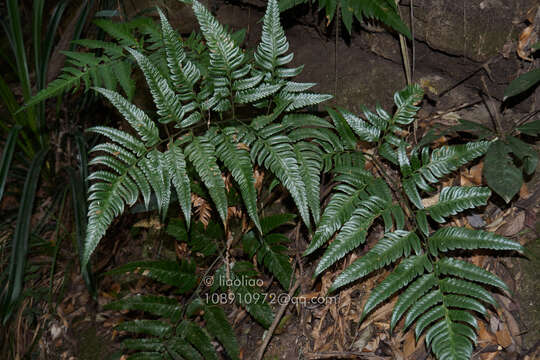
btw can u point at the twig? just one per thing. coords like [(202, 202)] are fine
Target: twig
[(276, 320), (404, 53), (467, 77), (452, 109), (495, 115), (339, 355)]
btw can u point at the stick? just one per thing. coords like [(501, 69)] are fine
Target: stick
[(338, 355), (276, 320)]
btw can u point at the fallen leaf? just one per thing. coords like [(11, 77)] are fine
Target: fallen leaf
[(503, 337)]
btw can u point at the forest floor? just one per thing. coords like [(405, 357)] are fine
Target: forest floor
[(364, 68)]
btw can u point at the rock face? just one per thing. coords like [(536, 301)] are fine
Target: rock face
[(476, 29)]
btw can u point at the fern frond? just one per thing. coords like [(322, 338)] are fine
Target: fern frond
[(156, 305), (226, 57), (455, 199), (276, 154), (148, 345), (167, 102), (450, 238), (402, 275), (184, 74), (309, 161), (199, 338), (182, 276), (237, 159), (139, 121), (469, 271), (447, 159), (342, 127), (364, 130), (353, 233), (176, 165), (156, 170), (410, 296), (337, 212), (148, 327), (387, 250), (218, 326), (201, 154), (406, 101), (301, 100), (273, 254), (270, 53), (179, 348)]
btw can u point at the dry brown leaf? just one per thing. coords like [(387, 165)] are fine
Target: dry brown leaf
[(484, 335), (472, 176), (489, 356), (524, 192), (513, 224), (409, 345), (526, 38), (503, 337), (430, 200), (202, 208), (150, 223)]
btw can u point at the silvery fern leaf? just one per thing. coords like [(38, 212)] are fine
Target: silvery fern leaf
[(235, 155), (201, 153), (387, 250)]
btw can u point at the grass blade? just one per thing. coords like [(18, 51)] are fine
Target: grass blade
[(7, 156), (19, 248)]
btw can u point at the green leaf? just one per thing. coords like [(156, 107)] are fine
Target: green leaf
[(219, 327), (450, 238), (402, 275), (198, 338), (337, 212), (21, 236), (156, 305), (522, 83), (139, 121), (272, 222), (7, 155), (455, 199), (148, 327), (410, 296), (276, 154), (167, 102), (273, 254), (168, 272), (387, 250), (309, 162), (526, 153), (469, 271), (176, 164), (531, 128), (353, 233), (406, 101), (237, 159), (500, 172), (201, 153)]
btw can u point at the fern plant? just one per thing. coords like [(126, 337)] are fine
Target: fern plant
[(143, 162), (437, 291), (174, 330), (385, 11)]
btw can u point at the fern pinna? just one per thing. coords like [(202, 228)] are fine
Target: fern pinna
[(438, 291)]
